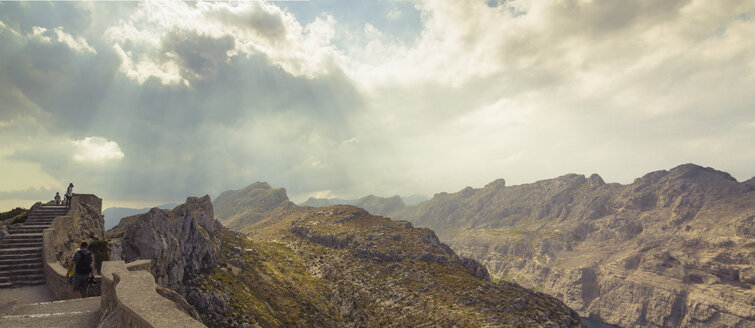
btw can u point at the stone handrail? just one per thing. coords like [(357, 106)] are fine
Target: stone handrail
[(129, 299)]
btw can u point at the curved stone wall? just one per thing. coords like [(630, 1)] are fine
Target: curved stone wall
[(129, 299)]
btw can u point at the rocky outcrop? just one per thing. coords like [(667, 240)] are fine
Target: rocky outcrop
[(239, 208), (673, 249), (179, 242)]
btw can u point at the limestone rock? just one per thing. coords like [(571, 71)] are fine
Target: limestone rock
[(177, 241), (674, 248)]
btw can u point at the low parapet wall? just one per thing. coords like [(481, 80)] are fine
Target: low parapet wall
[(129, 299)]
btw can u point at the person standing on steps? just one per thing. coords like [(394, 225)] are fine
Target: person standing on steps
[(84, 262), (69, 194), (57, 198)]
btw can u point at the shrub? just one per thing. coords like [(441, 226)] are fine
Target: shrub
[(12, 213), (101, 252), (21, 218)]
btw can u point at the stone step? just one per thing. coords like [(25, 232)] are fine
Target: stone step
[(20, 256), (21, 240), (22, 250), (72, 305), (40, 222), (30, 279), (28, 226), (23, 236), (23, 265), (23, 273), (21, 261), (19, 244), (32, 229), (88, 318)]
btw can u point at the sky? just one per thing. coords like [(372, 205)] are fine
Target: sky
[(143, 103)]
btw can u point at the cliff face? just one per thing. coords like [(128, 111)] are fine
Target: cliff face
[(674, 248), (239, 208), (178, 242)]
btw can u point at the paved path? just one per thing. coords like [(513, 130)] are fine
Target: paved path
[(35, 306), (10, 297)]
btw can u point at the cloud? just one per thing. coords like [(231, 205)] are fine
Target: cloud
[(146, 39), (320, 96), (96, 150)]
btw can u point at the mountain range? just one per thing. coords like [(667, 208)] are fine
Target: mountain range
[(337, 266), (674, 248)]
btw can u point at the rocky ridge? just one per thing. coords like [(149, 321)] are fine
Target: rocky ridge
[(239, 208), (673, 249), (335, 266), (374, 204)]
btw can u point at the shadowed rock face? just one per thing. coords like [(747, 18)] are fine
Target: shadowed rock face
[(674, 248), (178, 242)]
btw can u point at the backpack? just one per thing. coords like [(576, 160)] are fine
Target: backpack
[(84, 264)]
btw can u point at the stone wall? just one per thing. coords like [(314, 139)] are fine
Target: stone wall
[(84, 222), (129, 299)]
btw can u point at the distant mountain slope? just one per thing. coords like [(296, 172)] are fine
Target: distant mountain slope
[(376, 205), (113, 215), (673, 249), (239, 208), (337, 266)]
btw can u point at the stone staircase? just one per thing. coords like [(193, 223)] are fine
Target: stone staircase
[(21, 251)]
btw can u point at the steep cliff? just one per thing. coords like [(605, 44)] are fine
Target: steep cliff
[(675, 248)]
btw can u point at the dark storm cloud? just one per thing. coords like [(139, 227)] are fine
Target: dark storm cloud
[(65, 83), (200, 57), (267, 24)]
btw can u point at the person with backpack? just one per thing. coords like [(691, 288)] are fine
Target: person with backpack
[(83, 260)]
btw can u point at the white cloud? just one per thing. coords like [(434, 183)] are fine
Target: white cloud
[(256, 27), (78, 43), (96, 150), (39, 33)]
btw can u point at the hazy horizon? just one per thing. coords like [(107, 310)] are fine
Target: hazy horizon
[(145, 103)]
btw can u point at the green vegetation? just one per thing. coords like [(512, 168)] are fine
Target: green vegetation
[(268, 282), (101, 252), (16, 215)]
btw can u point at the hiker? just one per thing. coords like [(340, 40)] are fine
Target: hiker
[(84, 262), (69, 194), (57, 198)]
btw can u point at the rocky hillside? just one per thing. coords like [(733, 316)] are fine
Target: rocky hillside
[(328, 267), (239, 208), (674, 249), (376, 205)]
